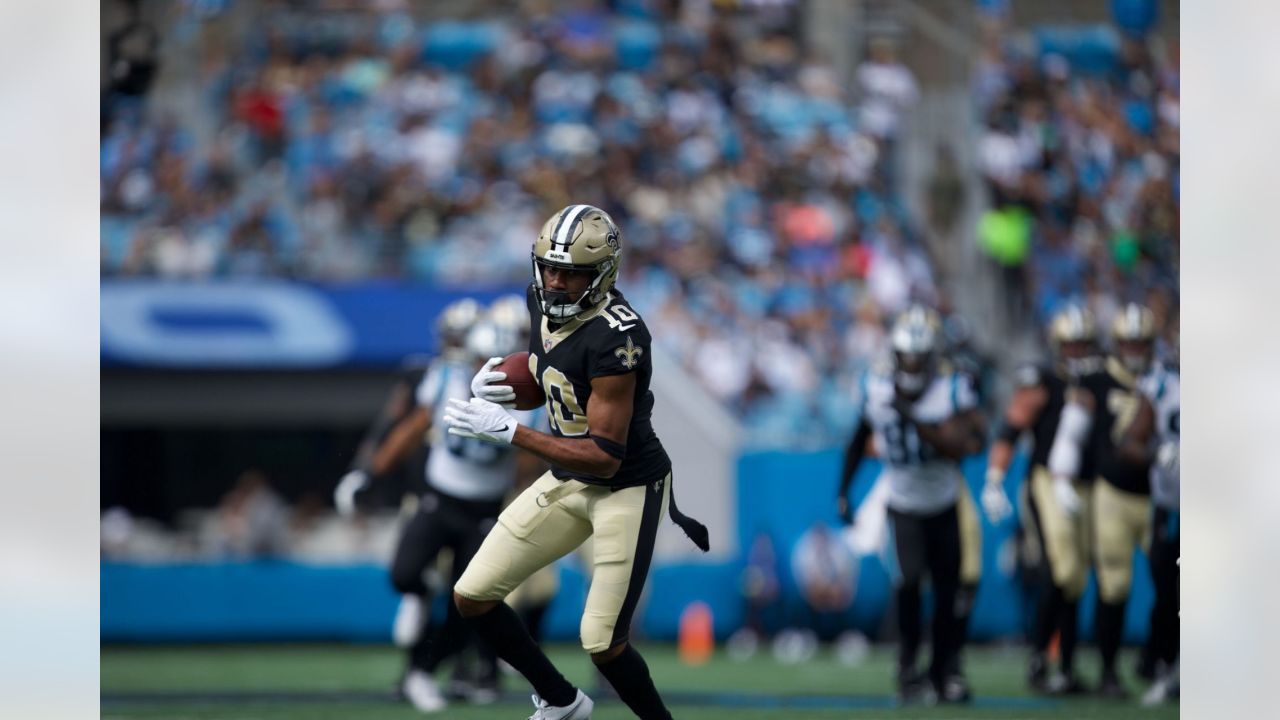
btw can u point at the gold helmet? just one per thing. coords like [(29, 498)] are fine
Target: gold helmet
[(454, 322), (1073, 335), (579, 237), (914, 340), (1133, 333)]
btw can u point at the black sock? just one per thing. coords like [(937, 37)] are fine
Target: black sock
[(908, 627), (502, 629), (629, 675), (1067, 636), (1110, 626)]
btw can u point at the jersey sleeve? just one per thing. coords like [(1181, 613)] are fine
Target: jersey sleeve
[(618, 351), (431, 387)]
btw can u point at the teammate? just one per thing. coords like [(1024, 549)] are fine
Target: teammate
[(466, 481), (1154, 438), (1063, 538), (923, 422), (1094, 421), (610, 476)]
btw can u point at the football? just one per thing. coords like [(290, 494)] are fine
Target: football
[(529, 395)]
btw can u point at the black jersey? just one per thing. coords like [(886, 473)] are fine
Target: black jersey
[(1046, 424), (610, 340), (1115, 397)]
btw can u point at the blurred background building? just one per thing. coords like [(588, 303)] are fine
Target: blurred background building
[(291, 190)]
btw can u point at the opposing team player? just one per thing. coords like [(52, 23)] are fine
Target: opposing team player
[(610, 476), (923, 421), (1093, 423), (466, 481), (1154, 438), (1062, 537)]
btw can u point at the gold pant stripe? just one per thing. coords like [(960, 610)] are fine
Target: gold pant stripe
[(970, 537)]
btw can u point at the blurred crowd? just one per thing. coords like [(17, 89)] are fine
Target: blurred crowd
[(1080, 153), (766, 242)]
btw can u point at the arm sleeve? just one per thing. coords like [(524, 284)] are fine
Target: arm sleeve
[(853, 455), (1068, 441)]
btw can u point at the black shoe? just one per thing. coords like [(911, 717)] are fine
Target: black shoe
[(915, 689), (1146, 668), (955, 689), (1038, 674), (1111, 688)]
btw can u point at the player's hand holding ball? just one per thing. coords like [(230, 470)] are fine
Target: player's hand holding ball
[(483, 385), (481, 419)]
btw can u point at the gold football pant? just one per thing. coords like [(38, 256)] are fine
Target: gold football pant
[(1064, 539), (551, 518), (970, 537), (1122, 522)]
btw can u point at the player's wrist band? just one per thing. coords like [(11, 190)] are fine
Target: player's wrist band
[(613, 449)]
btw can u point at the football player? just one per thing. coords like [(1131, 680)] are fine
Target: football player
[(1094, 421), (1062, 537), (610, 477), (1154, 438), (466, 481), (923, 421)]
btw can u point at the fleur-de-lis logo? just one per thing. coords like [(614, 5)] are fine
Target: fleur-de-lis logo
[(629, 354)]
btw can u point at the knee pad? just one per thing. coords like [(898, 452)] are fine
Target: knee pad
[(596, 632)]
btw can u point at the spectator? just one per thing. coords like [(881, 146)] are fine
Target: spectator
[(823, 570)]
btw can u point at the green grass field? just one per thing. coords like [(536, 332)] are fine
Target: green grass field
[(288, 682)]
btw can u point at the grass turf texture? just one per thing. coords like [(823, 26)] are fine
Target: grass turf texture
[(287, 682)]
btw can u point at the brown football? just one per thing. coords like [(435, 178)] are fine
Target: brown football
[(529, 395)]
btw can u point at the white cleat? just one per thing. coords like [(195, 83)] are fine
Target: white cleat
[(423, 693), (411, 616), (580, 709)]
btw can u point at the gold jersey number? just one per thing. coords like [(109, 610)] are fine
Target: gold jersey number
[(1124, 406), (566, 413)]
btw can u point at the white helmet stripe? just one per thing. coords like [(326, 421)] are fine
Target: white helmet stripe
[(564, 230)]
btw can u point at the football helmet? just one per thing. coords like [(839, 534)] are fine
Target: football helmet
[(1133, 332), (511, 313), (914, 340), (579, 237), (1073, 336), (487, 339), (453, 324)]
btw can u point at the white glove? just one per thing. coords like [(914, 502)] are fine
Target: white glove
[(482, 385), (995, 503), (482, 419), (1066, 495), (344, 496)]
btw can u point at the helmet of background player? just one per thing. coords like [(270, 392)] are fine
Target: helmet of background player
[(453, 324), (582, 238), (1133, 334), (511, 313), (1073, 335), (914, 340), (487, 339)]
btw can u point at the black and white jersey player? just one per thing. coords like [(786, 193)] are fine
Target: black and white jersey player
[(1155, 433), (466, 483), (923, 419)]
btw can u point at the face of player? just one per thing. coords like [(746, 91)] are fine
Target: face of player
[(1135, 355), (572, 283), (1079, 358), (911, 374)]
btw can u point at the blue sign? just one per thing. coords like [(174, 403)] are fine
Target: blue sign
[(271, 324)]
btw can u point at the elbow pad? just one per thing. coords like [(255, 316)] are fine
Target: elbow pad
[(1068, 441)]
